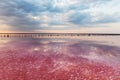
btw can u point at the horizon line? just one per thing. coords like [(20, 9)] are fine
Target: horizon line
[(60, 33)]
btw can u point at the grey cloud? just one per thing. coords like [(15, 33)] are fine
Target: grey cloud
[(16, 13), (87, 19)]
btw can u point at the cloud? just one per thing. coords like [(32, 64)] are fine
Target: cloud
[(16, 14), (29, 15), (98, 12), (85, 18)]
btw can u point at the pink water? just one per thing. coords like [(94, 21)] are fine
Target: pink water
[(58, 59)]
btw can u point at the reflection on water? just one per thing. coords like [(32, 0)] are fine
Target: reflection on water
[(58, 59)]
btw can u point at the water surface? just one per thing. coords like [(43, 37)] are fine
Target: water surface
[(86, 58)]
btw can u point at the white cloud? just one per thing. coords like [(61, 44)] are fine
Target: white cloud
[(58, 14)]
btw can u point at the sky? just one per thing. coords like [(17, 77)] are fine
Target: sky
[(88, 16)]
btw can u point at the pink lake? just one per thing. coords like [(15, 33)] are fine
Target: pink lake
[(59, 59)]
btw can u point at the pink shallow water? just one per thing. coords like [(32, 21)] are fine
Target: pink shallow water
[(58, 60)]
